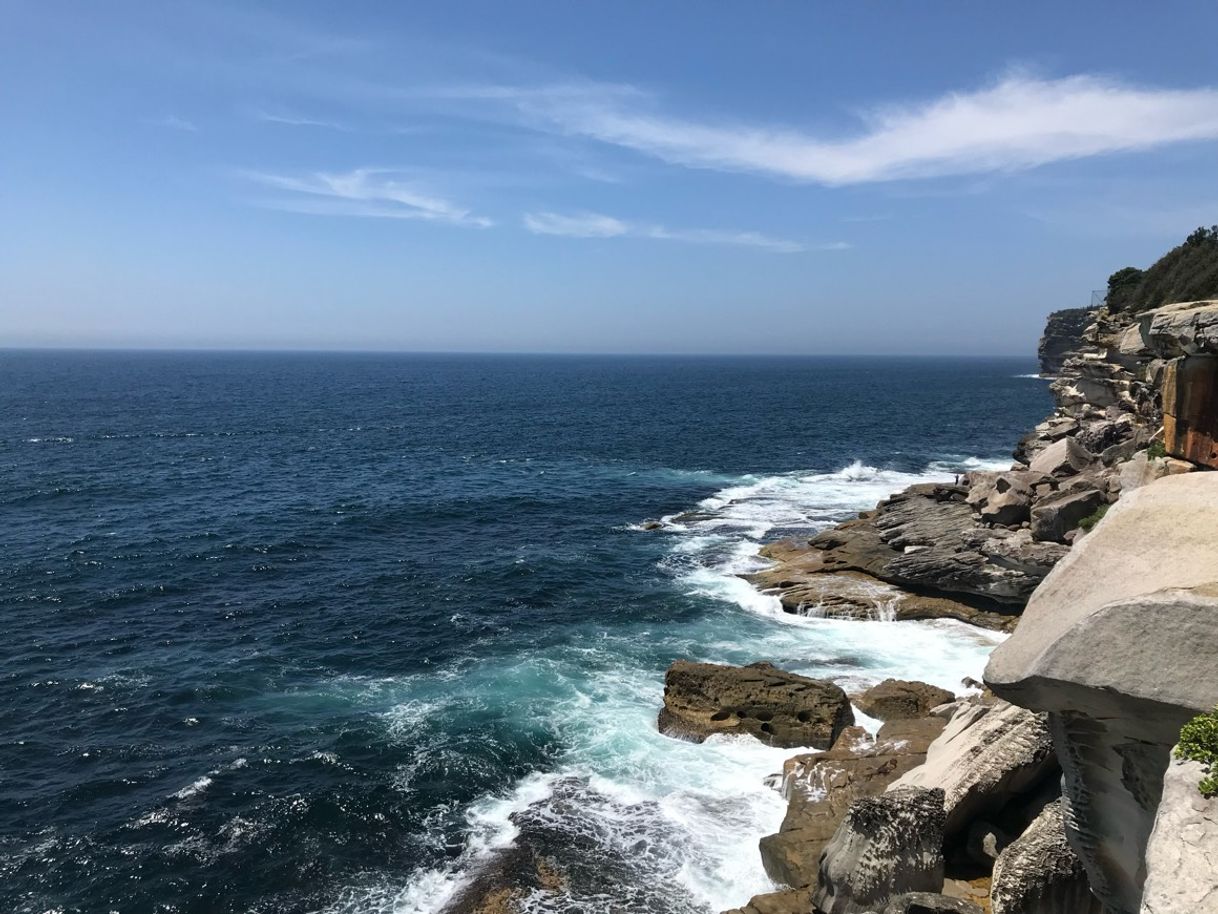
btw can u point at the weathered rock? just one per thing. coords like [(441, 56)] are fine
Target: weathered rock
[(885, 846), (1182, 329), (820, 788), (1039, 873), (928, 538), (1182, 854), (1003, 498), (803, 587), (787, 901), (1063, 334), (1064, 457), (930, 903), (1141, 470), (1190, 409), (899, 699), (1120, 643), (777, 707), (988, 754), (1055, 516)]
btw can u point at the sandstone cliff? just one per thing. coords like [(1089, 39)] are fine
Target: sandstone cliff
[(1061, 337)]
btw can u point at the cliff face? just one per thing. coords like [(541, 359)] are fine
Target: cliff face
[(1062, 335), (1120, 642), (1119, 645)]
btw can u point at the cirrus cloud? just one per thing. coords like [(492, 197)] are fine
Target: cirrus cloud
[(1019, 122), (598, 225), (369, 192)]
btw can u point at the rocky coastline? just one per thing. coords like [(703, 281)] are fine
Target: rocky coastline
[(1051, 790)]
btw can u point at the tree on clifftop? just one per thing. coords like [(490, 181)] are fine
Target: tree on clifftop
[(1187, 272), (1121, 286)]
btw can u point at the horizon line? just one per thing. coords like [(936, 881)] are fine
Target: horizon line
[(253, 350)]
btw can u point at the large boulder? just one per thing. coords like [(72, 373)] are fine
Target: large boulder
[(1003, 498), (885, 846), (899, 699), (989, 754), (820, 788), (1065, 457), (1120, 645), (1181, 329), (779, 708), (1182, 854), (1057, 515), (1039, 873)]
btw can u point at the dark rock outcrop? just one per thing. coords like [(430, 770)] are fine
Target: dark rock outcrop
[(800, 582), (885, 846), (1039, 872), (899, 699), (927, 538), (1119, 646), (1063, 331), (777, 707), (560, 860)]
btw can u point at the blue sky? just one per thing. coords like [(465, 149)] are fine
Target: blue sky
[(591, 177)]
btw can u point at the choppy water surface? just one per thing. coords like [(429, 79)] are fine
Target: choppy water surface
[(301, 632)]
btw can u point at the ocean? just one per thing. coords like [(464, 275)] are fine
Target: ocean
[(325, 632)]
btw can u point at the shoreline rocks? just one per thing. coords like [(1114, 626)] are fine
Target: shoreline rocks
[(899, 699), (820, 788), (776, 707), (885, 846), (989, 754)]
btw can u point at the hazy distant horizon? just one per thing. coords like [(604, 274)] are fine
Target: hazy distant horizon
[(616, 178), (250, 350)]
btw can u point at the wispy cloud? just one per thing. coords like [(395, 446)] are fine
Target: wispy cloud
[(176, 123), (368, 192), (598, 225), (1020, 122), (288, 119)]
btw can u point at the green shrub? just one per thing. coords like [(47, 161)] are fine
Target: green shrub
[(1092, 519), (1199, 743), (1121, 287), (1156, 449)]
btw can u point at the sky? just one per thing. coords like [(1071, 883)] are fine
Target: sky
[(627, 177)]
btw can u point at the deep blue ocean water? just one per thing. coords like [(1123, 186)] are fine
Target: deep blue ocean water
[(302, 632)]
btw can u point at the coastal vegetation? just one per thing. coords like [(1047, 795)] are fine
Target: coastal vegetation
[(1199, 743), (1188, 272)]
